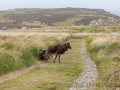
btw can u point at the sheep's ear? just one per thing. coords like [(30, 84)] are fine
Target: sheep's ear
[(68, 43), (65, 43)]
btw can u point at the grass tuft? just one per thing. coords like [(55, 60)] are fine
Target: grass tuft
[(7, 63), (7, 45)]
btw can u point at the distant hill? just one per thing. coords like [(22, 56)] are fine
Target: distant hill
[(37, 17)]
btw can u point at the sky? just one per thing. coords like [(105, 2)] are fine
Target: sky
[(108, 5)]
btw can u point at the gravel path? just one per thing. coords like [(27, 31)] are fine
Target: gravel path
[(87, 79)]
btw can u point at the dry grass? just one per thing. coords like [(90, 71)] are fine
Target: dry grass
[(101, 40)]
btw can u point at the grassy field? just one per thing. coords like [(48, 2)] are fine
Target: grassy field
[(51, 76), (19, 49)]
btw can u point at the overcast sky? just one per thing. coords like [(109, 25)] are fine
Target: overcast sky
[(108, 5)]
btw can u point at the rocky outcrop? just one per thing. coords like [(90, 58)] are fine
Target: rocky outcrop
[(102, 22)]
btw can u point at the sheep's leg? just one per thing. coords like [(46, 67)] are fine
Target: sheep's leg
[(51, 56), (55, 57), (48, 56), (45, 58), (59, 58)]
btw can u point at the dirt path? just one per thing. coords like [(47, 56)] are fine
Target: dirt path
[(14, 74), (17, 73), (87, 79)]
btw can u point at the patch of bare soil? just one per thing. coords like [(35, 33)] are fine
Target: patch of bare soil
[(41, 63)]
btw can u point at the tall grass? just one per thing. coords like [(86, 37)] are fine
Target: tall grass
[(7, 63), (106, 57), (7, 45), (11, 60)]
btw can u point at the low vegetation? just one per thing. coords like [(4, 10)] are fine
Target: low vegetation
[(104, 50)]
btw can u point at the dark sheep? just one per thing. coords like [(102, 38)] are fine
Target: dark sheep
[(58, 49), (42, 54)]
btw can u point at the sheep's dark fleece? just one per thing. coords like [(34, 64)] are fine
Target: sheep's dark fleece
[(58, 49), (42, 54)]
